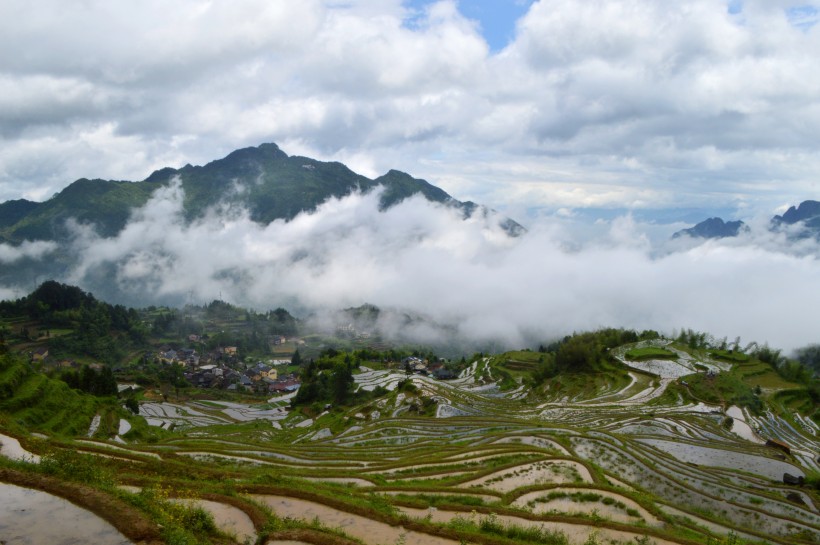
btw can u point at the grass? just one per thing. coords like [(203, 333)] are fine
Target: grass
[(650, 353), (452, 450), (729, 355), (726, 388)]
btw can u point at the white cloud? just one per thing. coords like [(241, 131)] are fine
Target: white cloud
[(465, 275), (27, 250)]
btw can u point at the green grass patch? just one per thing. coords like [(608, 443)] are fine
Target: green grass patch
[(650, 353), (729, 355), (724, 388)]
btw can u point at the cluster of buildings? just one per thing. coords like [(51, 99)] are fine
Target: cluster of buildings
[(220, 369), (419, 366)]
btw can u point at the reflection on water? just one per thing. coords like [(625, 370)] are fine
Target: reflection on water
[(11, 448), (370, 531), (696, 454), (32, 517)]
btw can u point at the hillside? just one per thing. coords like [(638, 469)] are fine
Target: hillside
[(264, 180), (612, 436)]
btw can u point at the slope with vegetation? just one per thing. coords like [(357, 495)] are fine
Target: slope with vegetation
[(612, 436)]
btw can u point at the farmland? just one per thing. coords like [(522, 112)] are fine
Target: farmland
[(632, 456)]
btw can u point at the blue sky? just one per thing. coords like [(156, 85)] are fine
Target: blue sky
[(497, 18)]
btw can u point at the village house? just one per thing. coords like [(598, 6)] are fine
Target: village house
[(414, 364), (168, 356), (444, 374), (39, 354), (265, 371), (285, 385)]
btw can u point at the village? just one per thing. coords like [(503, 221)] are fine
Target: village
[(223, 368)]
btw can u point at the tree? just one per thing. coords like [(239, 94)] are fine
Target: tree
[(342, 384), (297, 358), (132, 405), (809, 356)]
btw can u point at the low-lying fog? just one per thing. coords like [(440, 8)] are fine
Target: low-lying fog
[(425, 259)]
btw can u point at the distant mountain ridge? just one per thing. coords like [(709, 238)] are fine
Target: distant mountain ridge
[(713, 228), (807, 212), (263, 179)]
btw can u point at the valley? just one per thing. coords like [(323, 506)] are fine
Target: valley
[(641, 450)]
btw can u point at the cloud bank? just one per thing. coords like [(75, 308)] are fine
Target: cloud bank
[(602, 103), (469, 276), (36, 250)]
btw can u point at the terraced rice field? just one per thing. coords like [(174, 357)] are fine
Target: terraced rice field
[(619, 467)]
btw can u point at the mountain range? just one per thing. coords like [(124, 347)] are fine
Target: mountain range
[(807, 213), (264, 180)]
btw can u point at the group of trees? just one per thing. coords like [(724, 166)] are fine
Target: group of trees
[(329, 384), (92, 381), (249, 331), (99, 330), (329, 378), (584, 352)]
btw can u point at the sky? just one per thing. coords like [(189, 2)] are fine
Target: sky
[(531, 107), (585, 121)]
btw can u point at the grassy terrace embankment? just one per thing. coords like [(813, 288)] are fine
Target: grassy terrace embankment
[(599, 457)]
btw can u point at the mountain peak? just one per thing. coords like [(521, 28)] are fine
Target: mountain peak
[(713, 228), (806, 210), (262, 151)]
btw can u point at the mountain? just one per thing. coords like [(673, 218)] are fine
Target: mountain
[(712, 228), (807, 213), (264, 180), (611, 436)]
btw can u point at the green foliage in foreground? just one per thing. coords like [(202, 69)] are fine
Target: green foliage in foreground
[(489, 524), (182, 522), (38, 402)]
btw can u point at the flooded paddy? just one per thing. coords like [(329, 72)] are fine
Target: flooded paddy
[(109, 446), (486, 498), (11, 448), (164, 415), (709, 525), (23, 513), (577, 534), (533, 441), (740, 427), (208, 456), (617, 507), (696, 454), (352, 481), (544, 472), (370, 531)]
